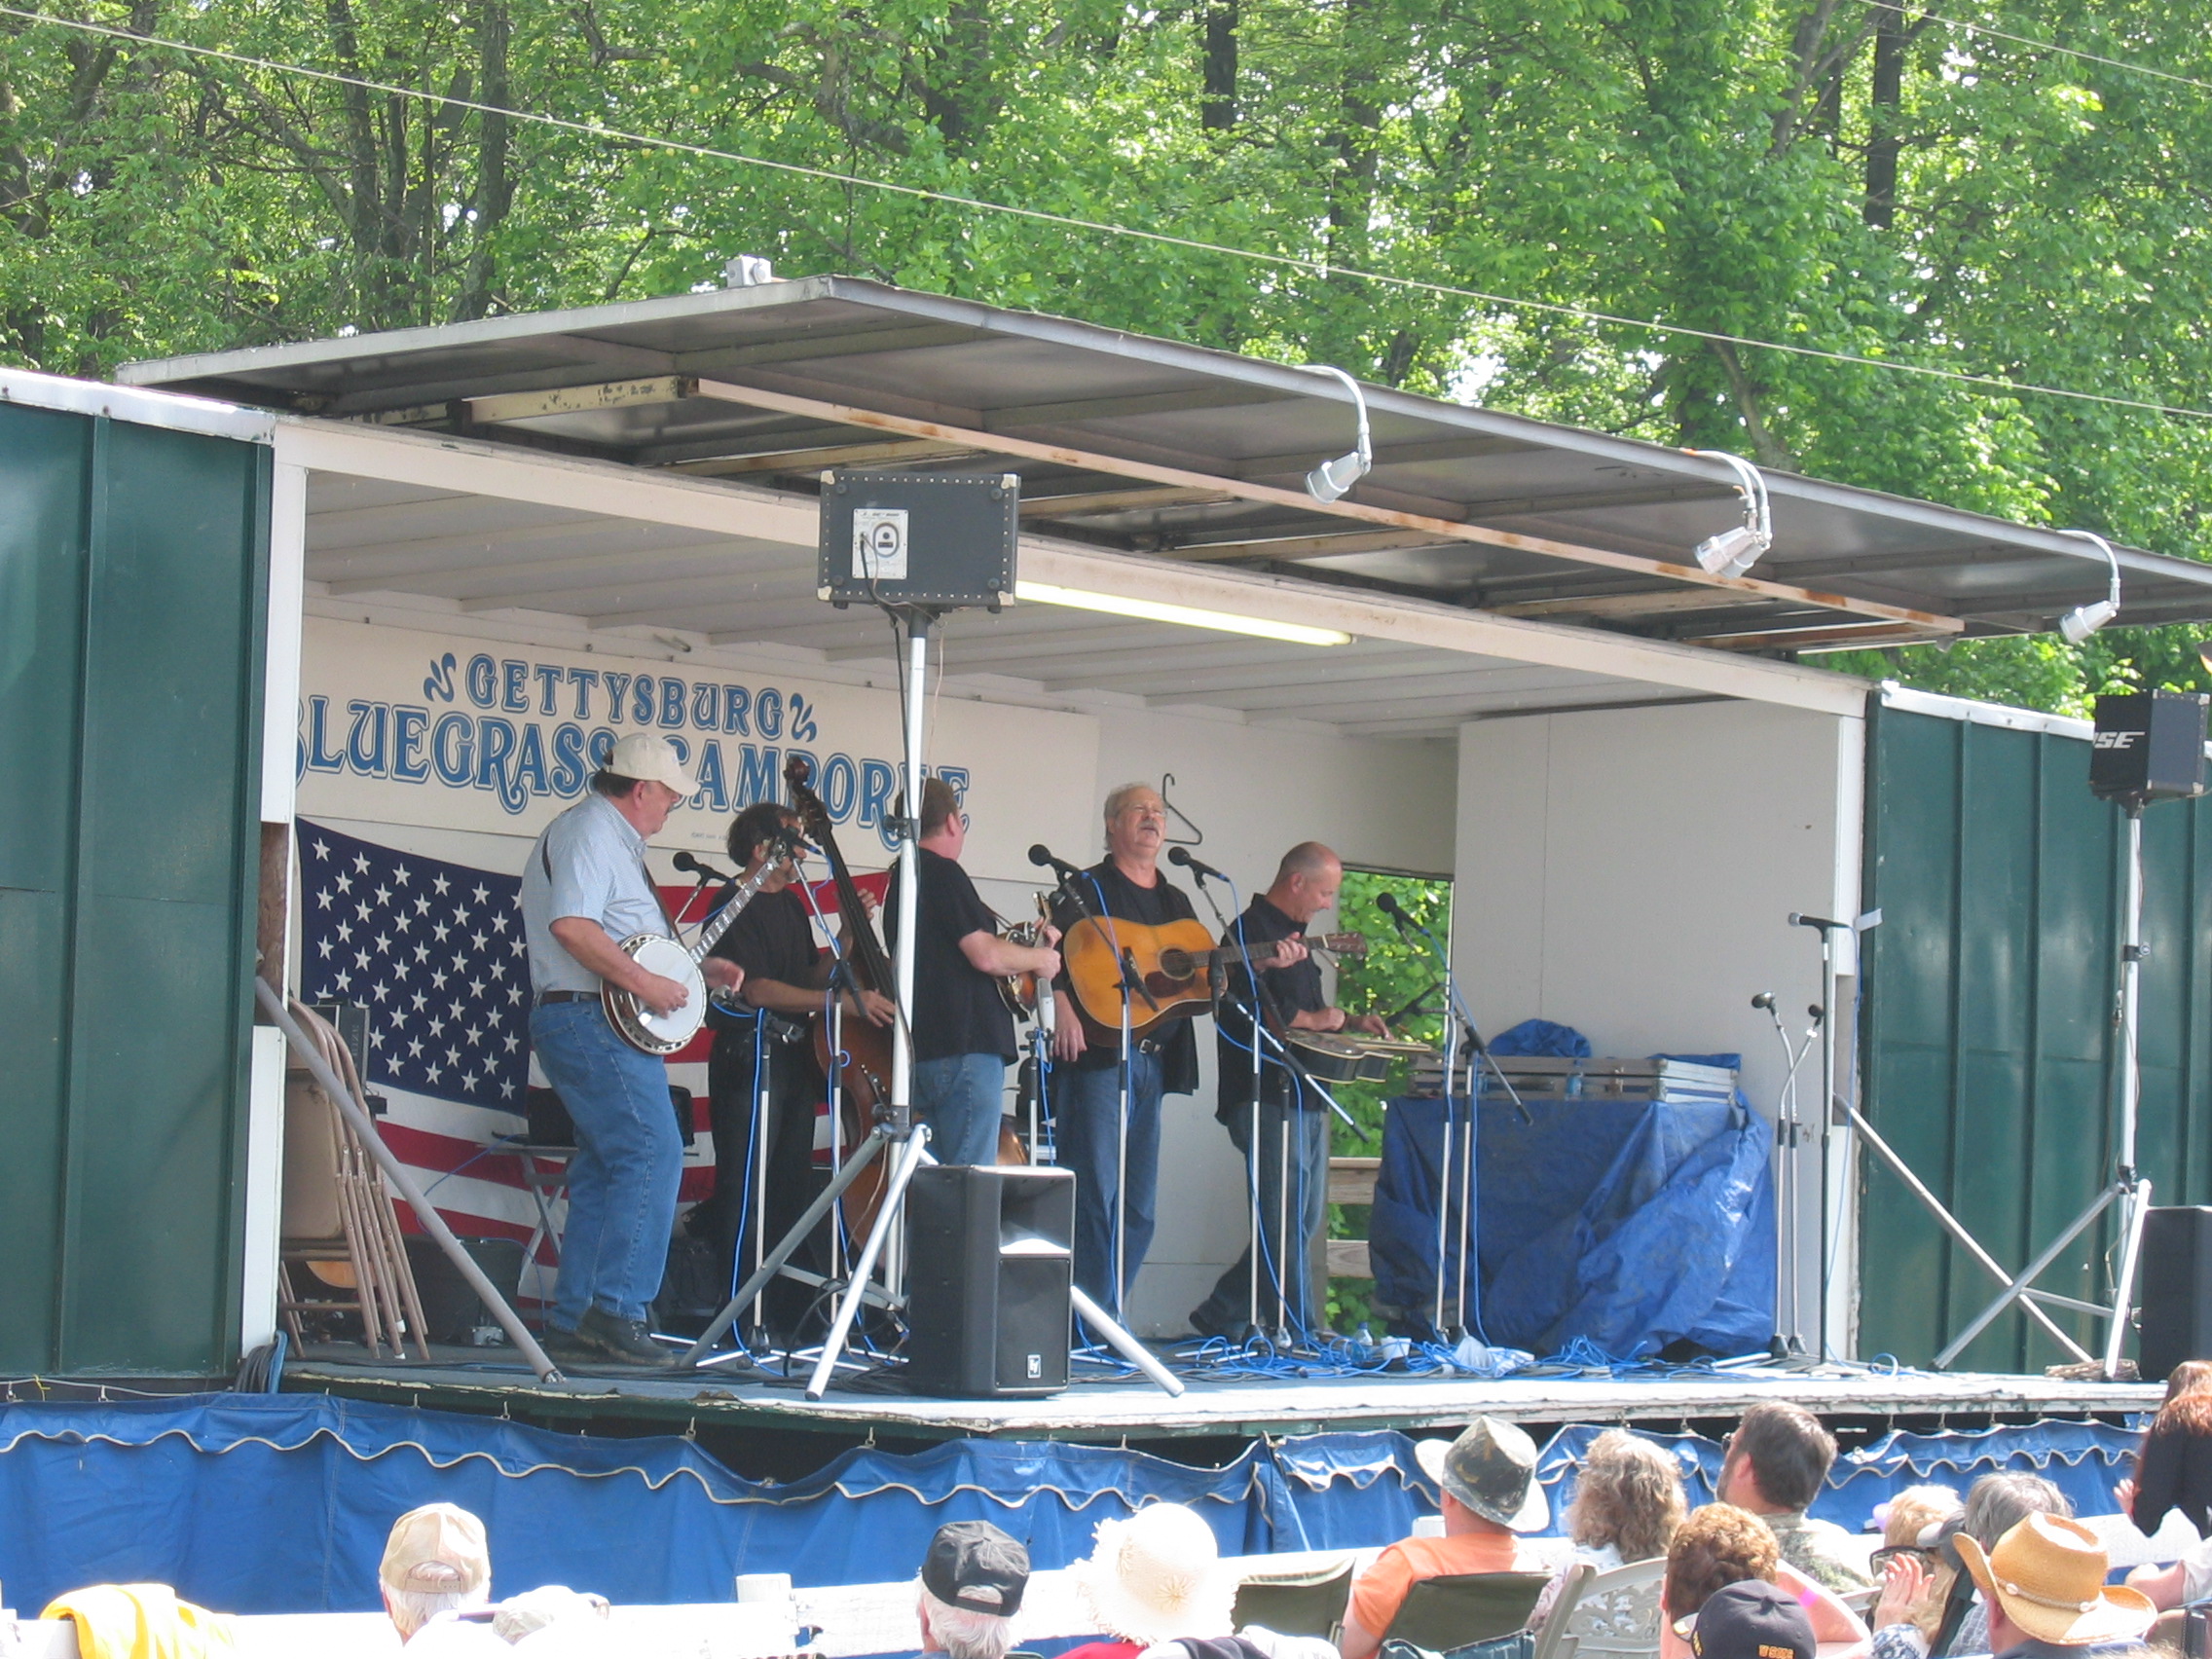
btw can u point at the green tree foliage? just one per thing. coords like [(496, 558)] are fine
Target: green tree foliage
[(1851, 175)]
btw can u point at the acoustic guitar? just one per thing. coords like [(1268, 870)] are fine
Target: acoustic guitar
[(1172, 965)]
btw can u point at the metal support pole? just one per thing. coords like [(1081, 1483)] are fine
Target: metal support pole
[(364, 1127), (886, 1218), (1123, 1343)]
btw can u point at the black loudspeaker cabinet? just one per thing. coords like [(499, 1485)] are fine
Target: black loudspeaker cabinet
[(947, 540), (990, 1264), (2148, 746), (2176, 1311)]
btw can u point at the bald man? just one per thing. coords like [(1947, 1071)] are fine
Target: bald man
[(1291, 996)]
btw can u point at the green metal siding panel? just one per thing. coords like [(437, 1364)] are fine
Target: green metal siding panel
[(132, 1144), (44, 463), (1989, 1040)]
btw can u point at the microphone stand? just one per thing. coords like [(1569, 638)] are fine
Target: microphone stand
[(1791, 1133), (1459, 1017)]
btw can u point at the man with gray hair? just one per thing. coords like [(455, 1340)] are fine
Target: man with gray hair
[(972, 1583), (1288, 1157), (436, 1567), (1087, 1084)]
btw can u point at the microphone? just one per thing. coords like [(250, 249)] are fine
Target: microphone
[(1797, 920), (1387, 904), (1196, 866), (1041, 856), (1765, 999), (690, 866)]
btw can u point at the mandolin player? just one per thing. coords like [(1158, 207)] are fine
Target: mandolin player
[(1127, 884), (1290, 997), (962, 1028)]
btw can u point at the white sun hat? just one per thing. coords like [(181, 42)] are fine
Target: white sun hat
[(1157, 1576)]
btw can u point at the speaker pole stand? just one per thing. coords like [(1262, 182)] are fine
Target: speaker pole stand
[(2129, 1190)]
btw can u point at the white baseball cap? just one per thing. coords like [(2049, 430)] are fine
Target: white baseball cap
[(641, 754)]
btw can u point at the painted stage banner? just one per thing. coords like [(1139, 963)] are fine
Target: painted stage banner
[(405, 727)]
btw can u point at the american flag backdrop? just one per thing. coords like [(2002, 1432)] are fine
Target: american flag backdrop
[(434, 951)]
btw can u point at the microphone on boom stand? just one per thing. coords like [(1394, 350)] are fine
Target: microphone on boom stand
[(1387, 904), (1181, 855), (699, 867)]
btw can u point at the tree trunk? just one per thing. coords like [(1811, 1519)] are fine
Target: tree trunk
[(1218, 112), (494, 185), (1886, 95)]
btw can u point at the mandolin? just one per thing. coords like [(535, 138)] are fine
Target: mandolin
[(1173, 963), (1025, 996)]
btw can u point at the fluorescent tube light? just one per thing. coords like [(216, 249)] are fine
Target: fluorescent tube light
[(1183, 615)]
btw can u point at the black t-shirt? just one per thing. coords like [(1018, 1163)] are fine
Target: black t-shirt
[(1162, 902), (772, 939), (957, 1010), (1295, 989)]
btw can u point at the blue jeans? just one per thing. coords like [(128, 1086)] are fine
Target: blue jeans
[(623, 1179), (962, 1098), (1086, 1116), (1286, 1255)]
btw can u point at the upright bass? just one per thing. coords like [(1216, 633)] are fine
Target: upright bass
[(867, 1046)]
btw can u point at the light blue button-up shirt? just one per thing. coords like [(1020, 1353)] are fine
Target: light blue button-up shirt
[(589, 862)]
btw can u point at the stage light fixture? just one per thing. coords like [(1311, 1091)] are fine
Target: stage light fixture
[(1182, 616), (2083, 621), (1739, 547), (1332, 478)]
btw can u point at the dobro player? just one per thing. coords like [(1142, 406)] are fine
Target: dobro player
[(584, 890), (1291, 999)]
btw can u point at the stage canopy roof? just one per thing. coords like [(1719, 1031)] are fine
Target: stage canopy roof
[(1132, 449)]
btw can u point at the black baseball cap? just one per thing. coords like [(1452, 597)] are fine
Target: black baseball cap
[(975, 1565), (1752, 1620)]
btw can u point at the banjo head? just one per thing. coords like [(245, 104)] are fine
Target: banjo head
[(665, 1033)]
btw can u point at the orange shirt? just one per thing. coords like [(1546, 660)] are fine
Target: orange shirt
[(1375, 1599)]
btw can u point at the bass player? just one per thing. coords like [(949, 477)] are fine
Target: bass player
[(584, 890), (1125, 885), (761, 1046), (1291, 999)]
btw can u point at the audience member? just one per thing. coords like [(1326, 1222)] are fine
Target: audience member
[(436, 1568), (1488, 1490), (1995, 1504), (2173, 1469), (1155, 1577), (1752, 1620), (1906, 1518), (972, 1582), (2044, 1585), (1773, 1466), (1720, 1545), (1628, 1501)]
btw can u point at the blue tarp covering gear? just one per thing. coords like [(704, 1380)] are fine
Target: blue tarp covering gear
[(1629, 1223), (1541, 1038), (281, 1503)]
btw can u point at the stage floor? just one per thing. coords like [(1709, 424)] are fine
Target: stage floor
[(1117, 1409)]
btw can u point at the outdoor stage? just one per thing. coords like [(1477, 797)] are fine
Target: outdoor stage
[(1127, 1409)]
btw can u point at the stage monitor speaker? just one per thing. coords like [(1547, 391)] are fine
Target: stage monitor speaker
[(2176, 1313), (943, 540), (989, 1264), (2148, 746)]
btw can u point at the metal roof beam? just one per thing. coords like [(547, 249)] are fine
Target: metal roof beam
[(1442, 528), (1096, 501), (1388, 453), (814, 459), (1615, 605), (1212, 395)]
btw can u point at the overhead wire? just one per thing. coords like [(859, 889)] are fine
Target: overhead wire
[(2049, 46), (1309, 265)]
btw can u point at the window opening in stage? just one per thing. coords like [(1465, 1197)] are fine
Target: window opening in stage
[(1399, 980)]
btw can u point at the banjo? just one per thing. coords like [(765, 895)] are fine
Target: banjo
[(656, 954)]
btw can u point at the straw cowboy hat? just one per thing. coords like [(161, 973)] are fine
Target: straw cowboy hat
[(1157, 1577), (2049, 1575)]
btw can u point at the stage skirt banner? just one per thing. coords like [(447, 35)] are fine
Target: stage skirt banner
[(281, 1503), (1627, 1223)]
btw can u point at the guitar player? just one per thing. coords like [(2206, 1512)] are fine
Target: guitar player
[(1290, 990), (1125, 885), (584, 890)]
